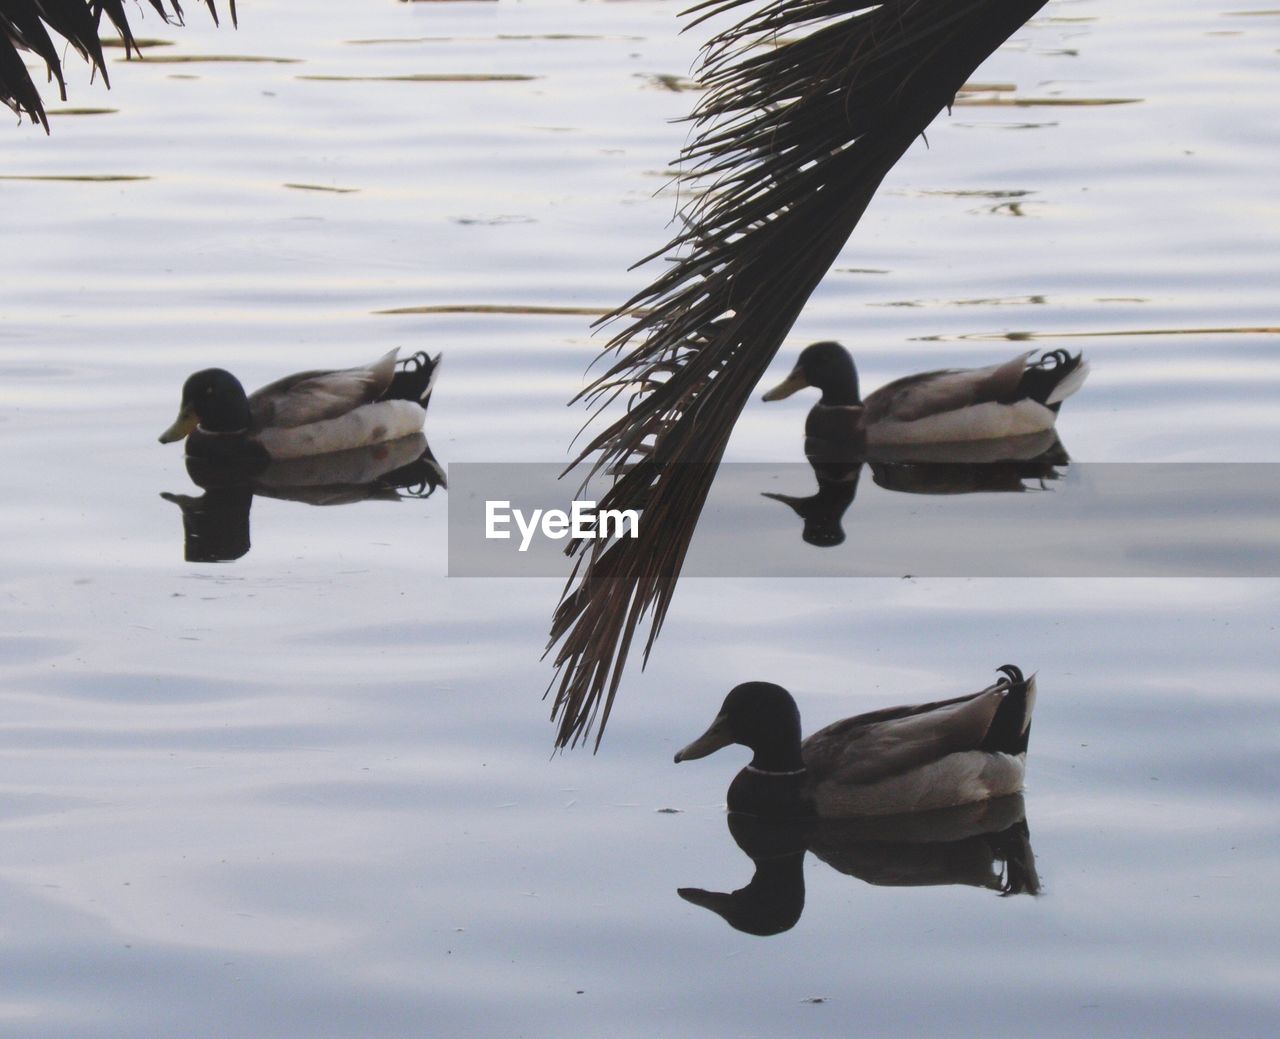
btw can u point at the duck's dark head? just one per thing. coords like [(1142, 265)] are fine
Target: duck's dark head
[(215, 401), (827, 366), (761, 716)]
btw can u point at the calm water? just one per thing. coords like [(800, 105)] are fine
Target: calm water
[(310, 793)]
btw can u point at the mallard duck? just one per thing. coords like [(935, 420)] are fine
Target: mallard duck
[(900, 759), (310, 413), (1011, 399)]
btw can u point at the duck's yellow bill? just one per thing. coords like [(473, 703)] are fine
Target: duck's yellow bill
[(792, 383), (183, 425), (719, 735)]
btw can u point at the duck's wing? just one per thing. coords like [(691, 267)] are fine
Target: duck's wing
[(299, 400), (881, 744), (915, 397)]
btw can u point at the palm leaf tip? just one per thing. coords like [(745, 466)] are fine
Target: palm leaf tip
[(808, 105), (31, 25)]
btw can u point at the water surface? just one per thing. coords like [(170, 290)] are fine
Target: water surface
[(310, 792)]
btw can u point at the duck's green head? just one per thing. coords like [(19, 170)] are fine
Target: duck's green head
[(215, 401), (759, 715), (827, 366)]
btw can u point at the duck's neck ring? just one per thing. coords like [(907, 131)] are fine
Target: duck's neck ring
[(222, 432), (775, 771)]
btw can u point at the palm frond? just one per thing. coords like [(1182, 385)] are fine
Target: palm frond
[(25, 25), (808, 105)]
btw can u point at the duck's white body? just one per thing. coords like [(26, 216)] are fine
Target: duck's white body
[(366, 425), (976, 422), (315, 413), (956, 405), (972, 775), (916, 759)]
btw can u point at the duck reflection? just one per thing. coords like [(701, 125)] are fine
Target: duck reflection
[(823, 512), (216, 523), (984, 845), (1009, 465)]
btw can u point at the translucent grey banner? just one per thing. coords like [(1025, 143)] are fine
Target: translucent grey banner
[(894, 520)]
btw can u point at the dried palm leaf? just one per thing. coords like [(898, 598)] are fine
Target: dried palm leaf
[(25, 26), (808, 105)]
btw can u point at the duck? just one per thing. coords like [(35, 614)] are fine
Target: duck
[(309, 413), (888, 762), (1011, 399)]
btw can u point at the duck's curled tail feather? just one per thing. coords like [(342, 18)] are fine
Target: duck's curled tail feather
[(415, 378), (1053, 378), (1011, 727)]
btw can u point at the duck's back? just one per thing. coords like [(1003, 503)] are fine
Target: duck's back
[(1006, 400), (316, 396), (916, 397)]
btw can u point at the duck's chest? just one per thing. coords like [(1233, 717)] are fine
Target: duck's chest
[(835, 423), (235, 453), (770, 794)]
